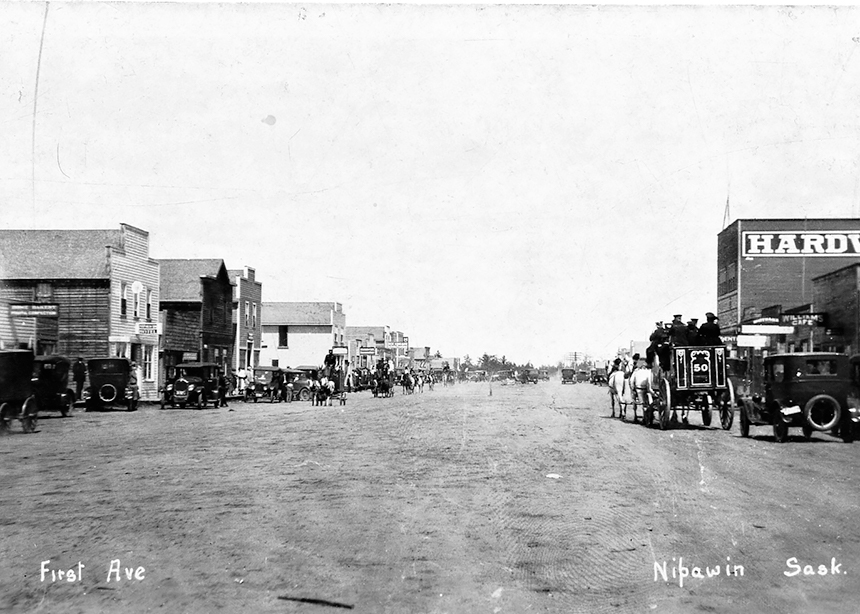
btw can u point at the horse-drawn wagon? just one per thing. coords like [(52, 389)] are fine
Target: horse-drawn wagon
[(16, 390), (696, 381)]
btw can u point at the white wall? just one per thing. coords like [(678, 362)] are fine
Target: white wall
[(308, 345)]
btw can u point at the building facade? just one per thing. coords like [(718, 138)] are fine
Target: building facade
[(763, 263), (247, 320), (196, 313), (368, 345), (98, 292), (302, 333)]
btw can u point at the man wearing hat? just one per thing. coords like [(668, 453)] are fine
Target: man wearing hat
[(693, 331), (709, 333), (678, 332), (657, 339)]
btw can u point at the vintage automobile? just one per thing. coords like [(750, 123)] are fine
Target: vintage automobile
[(110, 385), (265, 383), (51, 384), (568, 376), (598, 377), (196, 383), (582, 376), (812, 391), (16, 390), (529, 376), (544, 375)]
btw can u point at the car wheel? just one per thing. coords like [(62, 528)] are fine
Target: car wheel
[(201, 400), (68, 403), (745, 421), (304, 394), (822, 406), (29, 412), (5, 409), (780, 428)]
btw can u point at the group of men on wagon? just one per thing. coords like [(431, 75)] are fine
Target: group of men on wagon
[(676, 333)]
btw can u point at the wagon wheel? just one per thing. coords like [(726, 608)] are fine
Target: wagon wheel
[(663, 400), (726, 404), (29, 412), (780, 428)]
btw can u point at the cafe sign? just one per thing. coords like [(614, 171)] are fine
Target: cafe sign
[(801, 243), (803, 319)]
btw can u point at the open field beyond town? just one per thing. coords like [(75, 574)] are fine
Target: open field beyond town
[(529, 500)]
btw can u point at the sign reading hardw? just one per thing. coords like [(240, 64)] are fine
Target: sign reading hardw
[(822, 243)]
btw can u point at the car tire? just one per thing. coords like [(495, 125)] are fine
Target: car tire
[(304, 394), (811, 404), (745, 419), (780, 427)]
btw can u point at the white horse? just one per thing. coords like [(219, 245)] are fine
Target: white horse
[(619, 391), (640, 388)]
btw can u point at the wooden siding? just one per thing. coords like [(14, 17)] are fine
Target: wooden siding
[(181, 327), (82, 326)]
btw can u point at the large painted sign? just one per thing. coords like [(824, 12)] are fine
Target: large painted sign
[(801, 243)]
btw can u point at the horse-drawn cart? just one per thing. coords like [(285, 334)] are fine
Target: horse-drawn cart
[(16, 390), (697, 381)]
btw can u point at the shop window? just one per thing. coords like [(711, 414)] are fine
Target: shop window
[(44, 293), (148, 373)]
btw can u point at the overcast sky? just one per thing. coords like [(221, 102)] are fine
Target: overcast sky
[(520, 180)]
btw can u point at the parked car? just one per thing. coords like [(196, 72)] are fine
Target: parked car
[(110, 385), (16, 390), (196, 383), (51, 384), (261, 384), (568, 376), (812, 391), (529, 376), (298, 383)]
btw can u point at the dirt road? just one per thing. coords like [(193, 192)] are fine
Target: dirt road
[(529, 500)]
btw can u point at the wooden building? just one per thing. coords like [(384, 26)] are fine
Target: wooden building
[(247, 318), (87, 293), (196, 312)]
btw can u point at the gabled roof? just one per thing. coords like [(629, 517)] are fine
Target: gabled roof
[(180, 279), (56, 254), (298, 314)]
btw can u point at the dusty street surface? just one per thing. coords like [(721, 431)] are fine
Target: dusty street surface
[(435, 502)]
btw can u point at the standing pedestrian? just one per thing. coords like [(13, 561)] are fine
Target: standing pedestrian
[(79, 374)]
